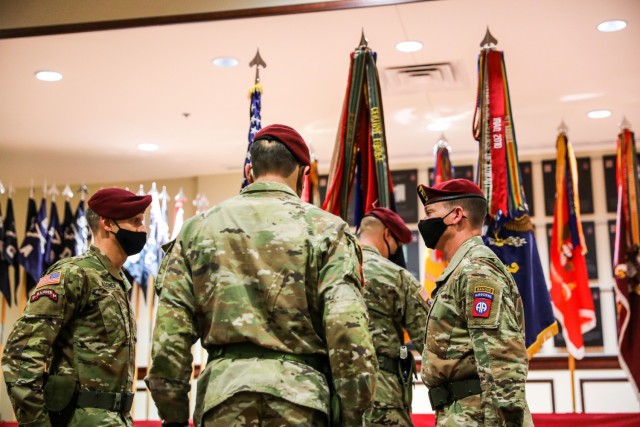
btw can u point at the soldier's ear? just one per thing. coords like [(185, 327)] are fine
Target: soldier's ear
[(248, 172)]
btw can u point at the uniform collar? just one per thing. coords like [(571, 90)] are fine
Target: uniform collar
[(266, 186), (106, 262), (367, 248), (458, 256)]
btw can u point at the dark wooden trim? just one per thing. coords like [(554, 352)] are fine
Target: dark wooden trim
[(583, 381), (196, 17), (552, 384), (559, 363)]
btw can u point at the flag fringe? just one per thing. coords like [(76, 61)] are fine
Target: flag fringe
[(544, 335)]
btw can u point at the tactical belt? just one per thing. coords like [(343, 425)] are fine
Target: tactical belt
[(247, 350), (445, 394), (389, 364), (117, 402)]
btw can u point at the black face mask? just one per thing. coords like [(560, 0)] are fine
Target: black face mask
[(432, 229), (131, 242)]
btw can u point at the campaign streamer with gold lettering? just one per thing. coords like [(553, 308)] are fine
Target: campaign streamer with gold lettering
[(509, 231), (626, 257), (360, 152), (570, 293)]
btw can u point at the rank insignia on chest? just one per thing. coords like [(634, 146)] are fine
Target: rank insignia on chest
[(49, 293), (50, 279), (482, 299)]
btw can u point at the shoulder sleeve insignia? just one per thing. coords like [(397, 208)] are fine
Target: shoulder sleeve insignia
[(424, 294), (482, 299), (48, 293), (50, 279)]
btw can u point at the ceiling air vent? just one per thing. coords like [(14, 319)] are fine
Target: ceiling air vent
[(436, 76)]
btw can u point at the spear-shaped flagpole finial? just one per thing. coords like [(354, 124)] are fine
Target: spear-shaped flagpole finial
[(624, 124), (258, 62), (441, 142), (563, 127), (363, 40), (488, 40)]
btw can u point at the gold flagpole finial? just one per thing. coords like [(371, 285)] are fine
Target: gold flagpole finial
[(624, 124), (363, 41), (488, 40), (258, 62), (563, 127)]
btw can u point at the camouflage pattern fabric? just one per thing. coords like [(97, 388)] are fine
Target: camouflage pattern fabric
[(392, 296), (476, 328), (391, 417), (266, 268), (78, 322), (262, 410)]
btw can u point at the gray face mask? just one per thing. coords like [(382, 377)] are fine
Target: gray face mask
[(131, 242)]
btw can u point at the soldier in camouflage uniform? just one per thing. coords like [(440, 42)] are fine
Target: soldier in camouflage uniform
[(69, 359), (272, 287), (395, 303), (475, 360)]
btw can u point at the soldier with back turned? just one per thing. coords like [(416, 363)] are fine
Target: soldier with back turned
[(272, 287)]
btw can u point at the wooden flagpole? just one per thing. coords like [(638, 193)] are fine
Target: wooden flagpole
[(572, 371)]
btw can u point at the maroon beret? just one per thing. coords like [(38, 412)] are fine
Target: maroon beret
[(116, 203), (290, 138), (393, 222), (449, 190)]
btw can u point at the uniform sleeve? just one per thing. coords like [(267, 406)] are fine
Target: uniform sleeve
[(415, 310), (173, 337), (498, 344), (351, 351), (48, 309)]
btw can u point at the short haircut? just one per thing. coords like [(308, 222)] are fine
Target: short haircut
[(370, 225), (93, 219), (475, 209), (270, 156)]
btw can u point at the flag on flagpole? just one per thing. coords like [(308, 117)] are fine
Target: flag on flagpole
[(5, 285), (310, 189), (570, 293), (509, 230), (31, 255), (360, 152), (627, 256), (68, 248), (178, 214), (435, 263), (81, 230), (53, 247), (9, 256), (255, 124)]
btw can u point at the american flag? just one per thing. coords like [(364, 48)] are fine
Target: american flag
[(255, 124)]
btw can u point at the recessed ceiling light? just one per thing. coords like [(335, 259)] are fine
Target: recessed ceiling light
[(438, 126), (612, 26), (409, 46), (48, 76), (148, 147), (225, 62), (599, 114)]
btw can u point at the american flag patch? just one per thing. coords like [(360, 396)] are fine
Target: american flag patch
[(424, 294), (50, 279)]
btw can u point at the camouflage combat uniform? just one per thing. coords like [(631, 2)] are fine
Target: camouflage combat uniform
[(264, 268), (78, 322), (476, 329), (394, 302)]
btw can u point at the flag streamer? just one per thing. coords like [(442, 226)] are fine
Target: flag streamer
[(509, 230), (570, 293), (626, 257)]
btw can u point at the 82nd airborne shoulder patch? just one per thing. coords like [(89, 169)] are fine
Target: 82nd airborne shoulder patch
[(482, 299)]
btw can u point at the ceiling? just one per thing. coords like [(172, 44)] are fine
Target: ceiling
[(130, 86)]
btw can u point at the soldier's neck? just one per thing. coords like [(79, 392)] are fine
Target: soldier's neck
[(112, 250)]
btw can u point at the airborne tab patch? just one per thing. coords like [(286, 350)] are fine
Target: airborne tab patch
[(50, 279), (49, 293), (482, 299)]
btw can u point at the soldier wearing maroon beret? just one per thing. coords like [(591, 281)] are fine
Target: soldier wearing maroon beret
[(475, 360), (396, 304), (271, 286), (70, 358)]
